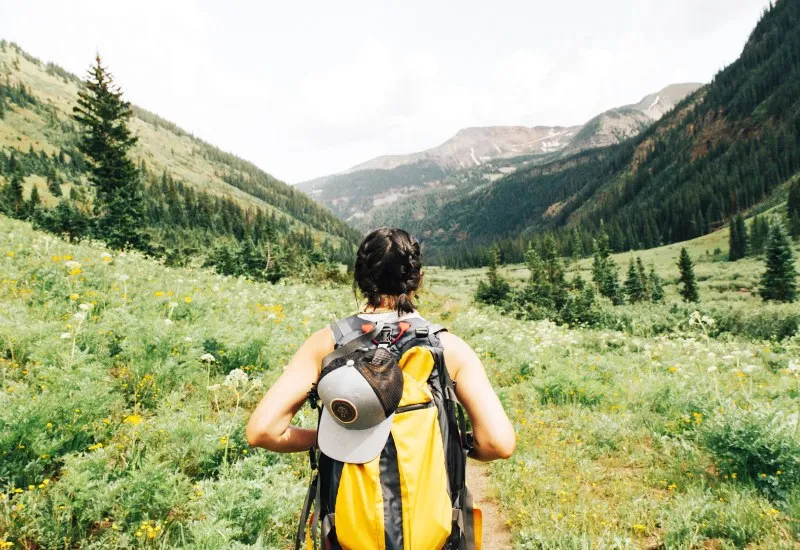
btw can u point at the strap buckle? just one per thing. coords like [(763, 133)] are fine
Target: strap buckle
[(385, 336), (422, 332)]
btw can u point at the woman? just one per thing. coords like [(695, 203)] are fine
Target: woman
[(392, 448), (387, 272)]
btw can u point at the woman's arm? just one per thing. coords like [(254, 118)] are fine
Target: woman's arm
[(269, 425), (493, 434)]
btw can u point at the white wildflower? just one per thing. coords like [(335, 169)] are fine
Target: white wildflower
[(750, 368), (236, 378), (214, 387), (168, 322), (79, 317), (207, 358), (123, 277), (173, 305), (72, 264), (712, 368), (794, 368), (257, 383), (106, 257), (66, 335), (187, 339), (85, 307)]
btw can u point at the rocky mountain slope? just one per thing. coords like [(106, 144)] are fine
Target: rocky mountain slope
[(475, 156)]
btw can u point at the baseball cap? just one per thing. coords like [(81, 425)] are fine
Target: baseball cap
[(360, 393)]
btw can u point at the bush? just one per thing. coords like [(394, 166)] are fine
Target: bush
[(757, 445)]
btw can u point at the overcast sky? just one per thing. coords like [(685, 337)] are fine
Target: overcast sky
[(308, 88)]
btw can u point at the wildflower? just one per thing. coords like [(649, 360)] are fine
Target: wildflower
[(80, 317), (106, 257), (207, 358), (72, 265), (712, 368), (187, 339), (173, 305), (134, 419), (66, 335), (74, 297), (159, 293), (48, 425), (214, 387), (793, 368), (750, 368), (123, 277), (188, 299), (10, 253), (168, 322), (236, 378), (85, 307)]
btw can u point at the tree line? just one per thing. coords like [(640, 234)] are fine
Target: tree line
[(126, 205)]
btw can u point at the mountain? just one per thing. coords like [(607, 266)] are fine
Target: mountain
[(478, 155), (189, 182), (725, 148)]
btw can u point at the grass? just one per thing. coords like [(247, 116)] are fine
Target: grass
[(117, 429)]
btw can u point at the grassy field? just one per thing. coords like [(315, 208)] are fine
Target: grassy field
[(125, 386)]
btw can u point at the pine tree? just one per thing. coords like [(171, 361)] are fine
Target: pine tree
[(633, 284), (496, 289), (35, 200), (15, 203), (604, 269), (687, 278), (793, 209), (779, 281), (759, 233), (656, 286), (105, 141), (738, 239)]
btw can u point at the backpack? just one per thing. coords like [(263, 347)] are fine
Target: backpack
[(414, 495)]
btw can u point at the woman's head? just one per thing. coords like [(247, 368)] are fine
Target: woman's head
[(388, 269)]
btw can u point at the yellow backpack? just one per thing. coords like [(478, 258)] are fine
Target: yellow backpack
[(413, 496)]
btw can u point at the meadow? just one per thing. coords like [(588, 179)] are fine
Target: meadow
[(126, 384)]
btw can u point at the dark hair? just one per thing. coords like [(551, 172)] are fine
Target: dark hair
[(388, 264)]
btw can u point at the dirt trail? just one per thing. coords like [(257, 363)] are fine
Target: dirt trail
[(496, 534)]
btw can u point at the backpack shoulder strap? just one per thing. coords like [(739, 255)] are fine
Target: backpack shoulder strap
[(346, 329)]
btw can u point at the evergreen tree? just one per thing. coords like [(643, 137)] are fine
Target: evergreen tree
[(35, 200), (604, 269), (738, 239), (779, 281), (759, 233), (633, 284), (655, 285), (793, 208), (687, 278), (495, 289), (15, 203), (106, 140), (54, 185)]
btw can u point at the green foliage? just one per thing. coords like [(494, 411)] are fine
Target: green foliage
[(636, 284), (687, 279), (759, 233), (604, 269), (779, 281), (758, 445), (655, 285), (495, 290), (738, 239), (105, 141), (793, 208)]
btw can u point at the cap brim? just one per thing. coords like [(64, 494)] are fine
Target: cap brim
[(352, 446)]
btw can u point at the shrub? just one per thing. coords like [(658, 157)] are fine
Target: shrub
[(758, 445)]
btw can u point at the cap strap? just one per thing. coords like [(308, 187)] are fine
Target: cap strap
[(352, 345)]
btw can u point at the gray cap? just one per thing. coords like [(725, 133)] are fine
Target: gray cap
[(356, 420)]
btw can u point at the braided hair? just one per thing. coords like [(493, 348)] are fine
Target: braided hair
[(388, 265)]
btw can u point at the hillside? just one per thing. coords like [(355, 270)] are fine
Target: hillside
[(36, 101), (475, 156), (724, 149)]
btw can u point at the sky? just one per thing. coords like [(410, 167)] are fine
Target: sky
[(306, 89)]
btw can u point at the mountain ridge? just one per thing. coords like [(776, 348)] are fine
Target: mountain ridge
[(479, 154)]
